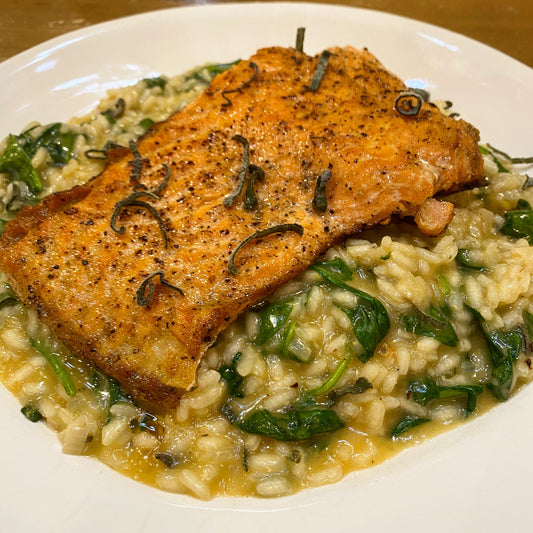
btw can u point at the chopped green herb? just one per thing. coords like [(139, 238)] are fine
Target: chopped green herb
[(147, 422), (464, 260), (116, 111), (360, 386), (271, 320), (31, 413), (17, 163), (334, 271), (234, 381), (513, 160), (109, 390), (230, 199), (168, 459), (297, 424), (136, 163), (244, 84), (146, 290), (333, 378), (404, 103), (444, 285), (146, 123), (295, 456), (528, 320), (250, 198), (425, 95), (133, 201), (211, 70), (518, 223), (320, 70), (286, 339), (8, 296), (300, 34), (407, 424), (245, 456), (426, 390), (57, 366), (280, 228), (155, 82), (434, 325), (485, 151), (320, 199), (370, 320), (504, 347)]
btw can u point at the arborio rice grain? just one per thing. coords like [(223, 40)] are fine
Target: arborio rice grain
[(413, 385)]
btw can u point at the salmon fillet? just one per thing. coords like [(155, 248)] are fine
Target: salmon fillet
[(144, 299)]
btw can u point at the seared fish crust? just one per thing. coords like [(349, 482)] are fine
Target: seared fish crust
[(83, 277)]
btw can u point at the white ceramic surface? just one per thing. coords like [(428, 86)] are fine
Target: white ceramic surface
[(476, 478)]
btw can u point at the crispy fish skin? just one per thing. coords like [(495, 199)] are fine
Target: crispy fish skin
[(63, 258)]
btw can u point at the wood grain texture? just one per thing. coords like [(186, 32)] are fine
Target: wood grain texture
[(505, 26)]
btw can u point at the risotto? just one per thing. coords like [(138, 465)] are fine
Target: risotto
[(389, 339)]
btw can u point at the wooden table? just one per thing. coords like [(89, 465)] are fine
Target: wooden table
[(503, 24)]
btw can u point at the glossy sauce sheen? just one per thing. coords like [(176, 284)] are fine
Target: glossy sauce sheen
[(63, 258)]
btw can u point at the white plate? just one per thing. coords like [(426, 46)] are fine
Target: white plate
[(475, 478)]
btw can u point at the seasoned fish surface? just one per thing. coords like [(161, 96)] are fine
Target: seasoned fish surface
[(145, 298)]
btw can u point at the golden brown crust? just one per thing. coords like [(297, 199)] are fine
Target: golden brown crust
[(63, 258)]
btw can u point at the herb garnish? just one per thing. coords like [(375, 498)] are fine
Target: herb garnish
[(320, 199), (271, 319), (234, 381), (370, 320), (244, 85), (31, 413), (94, 153), (115, 112), (404, 103), (333, 378), (300, 34), (133, 201), (155, 82), (254, 171), (406, 424), (17, 163), (136, 163), (230, 199), (146, 290), (519, 222), (425, 391), (57, 366), (168, 459), (320, 70), (280, 228), (504, 347), (513, 160), (496, 161), (422, 93), (434, 325), (296, 424), (466, 263)]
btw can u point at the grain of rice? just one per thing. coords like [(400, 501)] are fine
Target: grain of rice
[(116, 433), (273, 486)]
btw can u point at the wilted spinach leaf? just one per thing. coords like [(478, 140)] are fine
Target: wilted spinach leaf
[(518, 223), (233, 379), (424, 391), (434, 325), (370, 320), (297, 424)]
